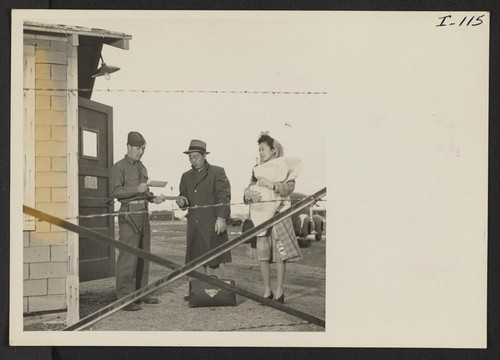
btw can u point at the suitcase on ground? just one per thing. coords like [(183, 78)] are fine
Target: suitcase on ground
[(202, 294)]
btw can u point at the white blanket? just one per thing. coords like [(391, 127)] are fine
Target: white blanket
[(276, 170)]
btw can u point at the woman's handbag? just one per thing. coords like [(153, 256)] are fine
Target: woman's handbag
[(202, 294), (247, 225)]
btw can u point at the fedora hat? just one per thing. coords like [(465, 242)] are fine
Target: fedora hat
[(197, 146)]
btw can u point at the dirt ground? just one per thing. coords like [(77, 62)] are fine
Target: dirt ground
[(304, 291)]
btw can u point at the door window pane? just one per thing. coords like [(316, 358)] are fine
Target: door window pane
[(89, 144)]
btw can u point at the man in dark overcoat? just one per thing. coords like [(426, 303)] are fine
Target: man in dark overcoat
[(205, 184)]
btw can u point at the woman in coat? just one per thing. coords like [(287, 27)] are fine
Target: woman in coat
[(273, 180)]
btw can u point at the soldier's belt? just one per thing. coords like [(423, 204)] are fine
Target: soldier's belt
[(133, 206)]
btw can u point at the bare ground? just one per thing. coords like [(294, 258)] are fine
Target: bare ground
[(304, 291)]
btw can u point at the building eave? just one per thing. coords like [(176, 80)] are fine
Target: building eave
[(112, 38)]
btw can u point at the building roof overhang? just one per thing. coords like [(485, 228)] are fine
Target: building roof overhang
[(90, 44), (112, 38)]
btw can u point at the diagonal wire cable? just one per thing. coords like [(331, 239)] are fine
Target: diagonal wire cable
[(187, 269), (116, 213)]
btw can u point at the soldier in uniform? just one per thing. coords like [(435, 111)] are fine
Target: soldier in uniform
[(205, 184), (129, 183)]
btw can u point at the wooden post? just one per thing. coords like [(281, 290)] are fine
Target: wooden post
[(29, 133), (172, 193), (73, 279)]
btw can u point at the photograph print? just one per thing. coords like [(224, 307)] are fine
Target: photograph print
[(174, 136), (169, 178)]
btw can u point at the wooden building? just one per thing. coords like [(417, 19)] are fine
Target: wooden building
[(68, 150)]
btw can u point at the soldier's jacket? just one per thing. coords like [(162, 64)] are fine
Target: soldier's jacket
[(126, 175)]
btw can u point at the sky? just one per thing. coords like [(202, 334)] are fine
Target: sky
[(205, 53)]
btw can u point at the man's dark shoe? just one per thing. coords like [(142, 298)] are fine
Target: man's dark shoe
[(132, 307), (150, 300)]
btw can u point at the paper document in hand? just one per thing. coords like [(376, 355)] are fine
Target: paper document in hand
[(153, 183)]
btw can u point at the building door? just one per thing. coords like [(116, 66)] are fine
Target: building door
[(95, 139)]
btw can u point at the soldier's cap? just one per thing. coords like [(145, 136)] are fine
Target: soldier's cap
[(135, 139), (197, 146)]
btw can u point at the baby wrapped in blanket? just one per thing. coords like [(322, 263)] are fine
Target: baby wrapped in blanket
[(279, 169)]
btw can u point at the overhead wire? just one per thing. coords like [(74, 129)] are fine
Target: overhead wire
[(180, 91)]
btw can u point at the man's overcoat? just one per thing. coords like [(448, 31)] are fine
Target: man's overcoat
[(208, 186)]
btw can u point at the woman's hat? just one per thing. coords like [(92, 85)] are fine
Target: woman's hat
[(197, 146)]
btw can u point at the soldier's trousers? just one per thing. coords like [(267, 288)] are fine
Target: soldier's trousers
[(132, 272)]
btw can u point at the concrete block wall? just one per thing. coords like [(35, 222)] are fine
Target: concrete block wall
[(45, 255)]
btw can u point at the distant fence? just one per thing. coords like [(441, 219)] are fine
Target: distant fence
[(162, 216)]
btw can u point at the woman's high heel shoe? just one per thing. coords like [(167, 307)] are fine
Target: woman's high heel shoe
[(281, 299), (270, 297)]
